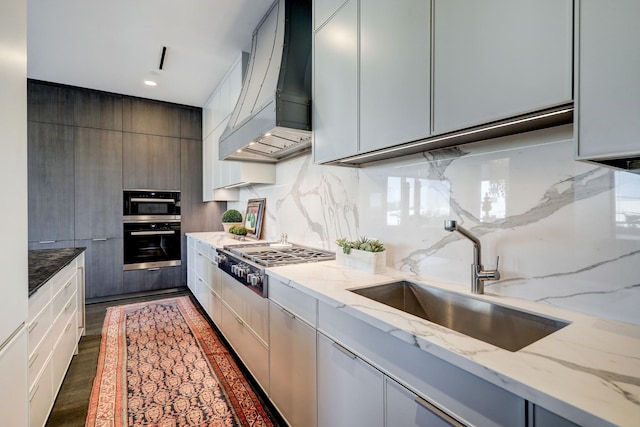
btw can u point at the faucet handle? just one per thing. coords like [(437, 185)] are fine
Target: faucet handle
[(497, 262)]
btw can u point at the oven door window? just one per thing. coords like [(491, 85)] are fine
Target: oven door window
[(151, 243)]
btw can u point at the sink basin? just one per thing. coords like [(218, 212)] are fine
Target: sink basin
[(504, 327)]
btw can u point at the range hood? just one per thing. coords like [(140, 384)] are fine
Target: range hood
[(272, 119)]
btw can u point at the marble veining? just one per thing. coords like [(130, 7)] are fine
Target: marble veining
[(46, 263), (567, 232), (588, 372)]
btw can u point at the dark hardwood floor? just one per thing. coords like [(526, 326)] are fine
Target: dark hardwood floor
[(71, 406)]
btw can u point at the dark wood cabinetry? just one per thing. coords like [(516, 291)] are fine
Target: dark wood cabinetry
[(152, 279), (103, 263), (85, 147), (151, 162), (150, 117), (49, 104), (51, 182), (98, 183), (97, 110)]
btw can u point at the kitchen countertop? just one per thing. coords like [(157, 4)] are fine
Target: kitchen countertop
[(45, 263), (587, 372)]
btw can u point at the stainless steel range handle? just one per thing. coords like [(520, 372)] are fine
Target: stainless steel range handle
[(148, 200), (151, 233)]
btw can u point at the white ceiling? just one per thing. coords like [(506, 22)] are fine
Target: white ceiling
[(114, 45)]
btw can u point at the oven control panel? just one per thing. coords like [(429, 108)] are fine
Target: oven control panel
[(249, 275)]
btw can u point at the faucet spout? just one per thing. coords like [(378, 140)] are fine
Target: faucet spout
[(478, 274)]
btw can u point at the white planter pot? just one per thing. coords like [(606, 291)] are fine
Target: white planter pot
[(228, 225), (371, 262)]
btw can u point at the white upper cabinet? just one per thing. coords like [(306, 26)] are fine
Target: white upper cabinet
[(608, 80), (499, 58), (217, 174), (335, 85), (394, 72)]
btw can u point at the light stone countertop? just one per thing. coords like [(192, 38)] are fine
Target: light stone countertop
[(587, 372)]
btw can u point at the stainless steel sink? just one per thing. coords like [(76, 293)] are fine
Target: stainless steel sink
[(501, 326)]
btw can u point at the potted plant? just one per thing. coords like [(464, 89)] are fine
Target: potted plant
[(238, 230), (363, 254), (230, 218)]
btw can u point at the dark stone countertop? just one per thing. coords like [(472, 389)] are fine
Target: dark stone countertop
[(45, 263)]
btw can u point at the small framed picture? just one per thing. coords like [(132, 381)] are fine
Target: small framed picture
[(254, 217)]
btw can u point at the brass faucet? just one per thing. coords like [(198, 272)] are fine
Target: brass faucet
[(478, 275)]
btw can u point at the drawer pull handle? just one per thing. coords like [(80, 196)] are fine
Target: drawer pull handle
[(33, 359), (344, 350), (68, 327), (239, 320), (287, 312), (68, 306), (34, 392), (103, 239), (153, 269), (46, 242), (32, 326), (438, 412), (67, 285)]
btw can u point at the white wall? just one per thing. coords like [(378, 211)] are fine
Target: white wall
[(565, 231)]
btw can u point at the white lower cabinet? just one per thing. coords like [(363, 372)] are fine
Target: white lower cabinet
[(253, 352), (350, 391), (13, 370), (55, 323), (292, 366), (405, 408)]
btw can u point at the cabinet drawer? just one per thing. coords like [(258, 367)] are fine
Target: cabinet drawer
[(41, 398), (212, 253), (297, 302), (202, 247), (61, 298), (38, 327), (63, 352), (249, 348), (252, 308), (38, 358), (215, 307), (448, 387), (62, 319), (62, 278), (38, 301)]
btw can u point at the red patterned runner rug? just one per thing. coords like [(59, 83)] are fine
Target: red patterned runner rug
[(161, 364)]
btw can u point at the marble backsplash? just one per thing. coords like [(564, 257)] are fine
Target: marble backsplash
[(567, 233)]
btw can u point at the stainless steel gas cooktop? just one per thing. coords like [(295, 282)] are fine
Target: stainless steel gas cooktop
[(267, 255)]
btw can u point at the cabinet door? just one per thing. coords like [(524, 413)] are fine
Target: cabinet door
[(13, 371), (150, 117), (395, 103), (498, 58), (540, 417), (151, 162), (335, 86), (51, 182), (48, 103), (323, 9), (292, 367), (103, 267), (404, 408), (196, 215), (96, 109), (191, 123), (350, 391), (98, 183), (608, 81)]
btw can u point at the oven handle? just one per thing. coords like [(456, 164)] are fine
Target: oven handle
[(149, 200), (151, 233)]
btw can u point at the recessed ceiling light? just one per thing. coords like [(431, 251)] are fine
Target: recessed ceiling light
[(150, 83)]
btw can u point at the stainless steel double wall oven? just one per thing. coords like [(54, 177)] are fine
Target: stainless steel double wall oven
[(151, 229)]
